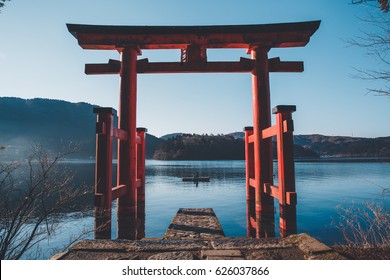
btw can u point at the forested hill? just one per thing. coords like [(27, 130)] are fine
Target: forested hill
[(339, 146), (179, 146), (343, 146), (211, 147), (55, 123), (200, 147), (50, 123)]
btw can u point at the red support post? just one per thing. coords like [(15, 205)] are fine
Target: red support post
[(141, 151), (127, 205), (286, 171), (250, 191), (103, 172), (262, 147)]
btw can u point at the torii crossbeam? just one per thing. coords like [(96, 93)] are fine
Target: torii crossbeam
[(193, 41)]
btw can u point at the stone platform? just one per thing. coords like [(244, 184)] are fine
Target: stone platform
[(196, 234), (194, 223)]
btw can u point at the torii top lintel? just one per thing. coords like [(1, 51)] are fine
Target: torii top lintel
[(278, 35)]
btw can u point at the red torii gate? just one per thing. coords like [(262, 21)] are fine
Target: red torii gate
[(193, 41)]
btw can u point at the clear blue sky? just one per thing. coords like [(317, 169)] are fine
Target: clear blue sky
[(40, 58)]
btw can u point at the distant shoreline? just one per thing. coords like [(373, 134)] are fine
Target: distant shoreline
[(344, 159), (313, 160)]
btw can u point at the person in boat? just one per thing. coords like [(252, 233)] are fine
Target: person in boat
[(195, 177)]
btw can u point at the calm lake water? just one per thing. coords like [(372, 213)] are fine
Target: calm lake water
[(321, 188)]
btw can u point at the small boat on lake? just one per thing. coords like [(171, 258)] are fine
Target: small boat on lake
[(196, 179)]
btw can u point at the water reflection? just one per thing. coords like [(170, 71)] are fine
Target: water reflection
[(321, 187)]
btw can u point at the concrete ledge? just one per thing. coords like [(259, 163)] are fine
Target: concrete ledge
[(143, 245), (196, 234), (294, 247), (313, 249)]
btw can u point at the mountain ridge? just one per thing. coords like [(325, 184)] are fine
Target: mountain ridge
[(53, 123)]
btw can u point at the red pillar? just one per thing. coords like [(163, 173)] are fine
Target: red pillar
[(141, 151), (103, 173), (262, 148), (127, 205), (286, 170), (250, 191)]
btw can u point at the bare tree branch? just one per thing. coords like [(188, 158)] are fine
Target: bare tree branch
[(383, 4), (31, 203), (2, 4), (377, 45)]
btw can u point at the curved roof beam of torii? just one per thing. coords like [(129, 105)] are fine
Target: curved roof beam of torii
[(280, 35)]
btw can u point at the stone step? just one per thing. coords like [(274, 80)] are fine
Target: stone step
[(294, 247), (222, 255), (195, 223)]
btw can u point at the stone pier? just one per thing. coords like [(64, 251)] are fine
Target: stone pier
[(196, 234), (195, 223)]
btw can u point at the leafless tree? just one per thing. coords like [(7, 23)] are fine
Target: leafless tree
[(383, 4), (2, 4), (377, 43), (365, 228), (33, 196)]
